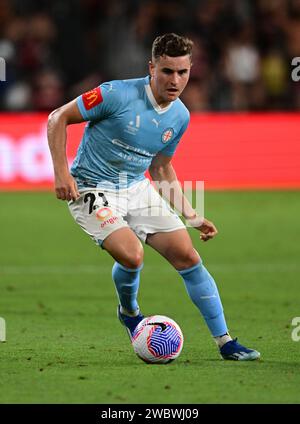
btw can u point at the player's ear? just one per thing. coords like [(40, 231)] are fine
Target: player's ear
[(151, 68)]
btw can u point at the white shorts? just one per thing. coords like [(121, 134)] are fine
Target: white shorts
[(100, 212)]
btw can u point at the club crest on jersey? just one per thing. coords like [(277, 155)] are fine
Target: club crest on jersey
[(167, 135), (92, 98)]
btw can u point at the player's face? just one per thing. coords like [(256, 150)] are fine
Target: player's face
[(169, 76)]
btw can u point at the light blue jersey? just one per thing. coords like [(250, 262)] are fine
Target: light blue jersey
[(126, 130)]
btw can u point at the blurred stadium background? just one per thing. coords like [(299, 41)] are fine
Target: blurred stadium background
[(244, 134), (57, 50), (241, 65)]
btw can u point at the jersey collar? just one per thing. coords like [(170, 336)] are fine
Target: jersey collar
[(152, 100)]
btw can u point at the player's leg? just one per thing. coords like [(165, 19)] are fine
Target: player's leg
[(124, 246), (162, 229), (176, 247), (127, 250), (104, 223)]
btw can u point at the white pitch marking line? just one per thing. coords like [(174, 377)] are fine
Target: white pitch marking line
[(95, 269)]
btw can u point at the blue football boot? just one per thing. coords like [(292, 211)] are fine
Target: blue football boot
[(129, 323), (232, 350)]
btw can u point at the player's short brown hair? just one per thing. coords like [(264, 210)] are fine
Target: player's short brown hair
[(171, 45)]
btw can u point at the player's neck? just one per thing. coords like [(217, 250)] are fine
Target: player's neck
[(160, 102)]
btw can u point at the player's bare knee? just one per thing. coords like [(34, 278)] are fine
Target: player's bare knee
[(134, 258), (186, 259)]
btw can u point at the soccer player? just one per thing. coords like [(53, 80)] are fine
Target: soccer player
[(135, 125)]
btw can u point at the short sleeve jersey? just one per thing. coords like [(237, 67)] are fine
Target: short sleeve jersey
[(126, 129)]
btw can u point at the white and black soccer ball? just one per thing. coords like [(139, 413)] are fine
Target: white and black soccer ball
[(157, 340)]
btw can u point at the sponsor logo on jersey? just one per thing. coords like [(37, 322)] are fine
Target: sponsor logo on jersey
[(92, 98), (133, 126), (110, 221), (105, 215), (167, 135)]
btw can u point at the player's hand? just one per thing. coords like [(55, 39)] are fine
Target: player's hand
[(207, 230), (66, 187)]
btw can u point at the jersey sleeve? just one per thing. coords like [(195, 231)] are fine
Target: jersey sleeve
[(170, 149), (101, 102)]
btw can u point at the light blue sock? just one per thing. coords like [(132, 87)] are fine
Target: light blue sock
[(127, 282), (203, 291)]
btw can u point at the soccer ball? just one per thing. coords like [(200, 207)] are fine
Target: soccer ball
[(157, 340)]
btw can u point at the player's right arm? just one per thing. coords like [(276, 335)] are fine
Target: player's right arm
[(94, 105), (59, 119)]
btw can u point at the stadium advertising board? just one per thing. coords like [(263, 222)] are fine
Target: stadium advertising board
[(226, 151)]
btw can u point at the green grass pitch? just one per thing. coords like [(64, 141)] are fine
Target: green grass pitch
[(65, 344)]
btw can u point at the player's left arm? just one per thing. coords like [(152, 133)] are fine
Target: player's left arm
[(165, 179)]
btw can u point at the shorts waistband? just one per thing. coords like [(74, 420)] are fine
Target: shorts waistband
[(85, 185)]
